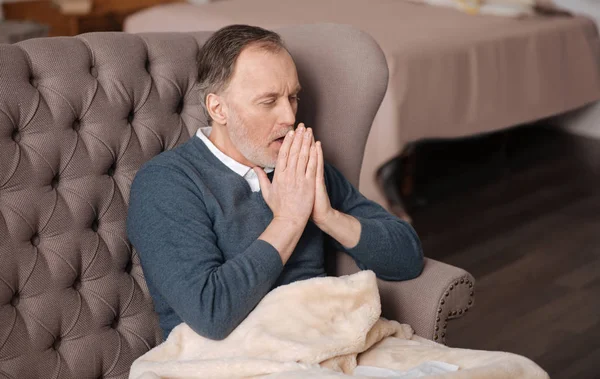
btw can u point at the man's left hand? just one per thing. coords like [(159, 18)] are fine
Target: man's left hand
[(322, 210), (343, 228)]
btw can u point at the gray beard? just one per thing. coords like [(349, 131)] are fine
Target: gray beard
[(250, 152)]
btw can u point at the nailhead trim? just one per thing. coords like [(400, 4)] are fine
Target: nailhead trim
[(438, 327)]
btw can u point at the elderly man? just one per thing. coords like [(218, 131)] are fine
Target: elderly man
[(248, 204)]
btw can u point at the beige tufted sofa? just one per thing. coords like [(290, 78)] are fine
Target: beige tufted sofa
[(78, 117)]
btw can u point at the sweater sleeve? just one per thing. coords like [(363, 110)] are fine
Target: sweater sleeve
[(169, 226), (388, 245)]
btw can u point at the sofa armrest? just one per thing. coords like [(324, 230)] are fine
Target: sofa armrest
[(441, 293)]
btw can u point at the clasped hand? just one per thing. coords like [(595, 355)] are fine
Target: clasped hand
[(298, 190)]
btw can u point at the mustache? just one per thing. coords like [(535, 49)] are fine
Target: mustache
[(282, 133)]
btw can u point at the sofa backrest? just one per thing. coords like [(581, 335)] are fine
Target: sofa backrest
[(78, 117)]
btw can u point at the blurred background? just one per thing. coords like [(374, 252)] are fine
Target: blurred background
[(517, 203), (72, 17)]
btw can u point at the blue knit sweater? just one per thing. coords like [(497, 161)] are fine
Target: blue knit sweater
[(195, 223)]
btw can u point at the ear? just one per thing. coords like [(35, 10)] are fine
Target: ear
[(216, 108)]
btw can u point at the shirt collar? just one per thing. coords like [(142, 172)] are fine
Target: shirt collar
[(237, 167)]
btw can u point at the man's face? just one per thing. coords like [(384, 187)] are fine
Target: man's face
[(262, 101)]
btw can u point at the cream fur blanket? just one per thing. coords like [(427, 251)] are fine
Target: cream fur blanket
[(318, 328)]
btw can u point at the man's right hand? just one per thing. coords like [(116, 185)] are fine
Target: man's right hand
[(291, 195)]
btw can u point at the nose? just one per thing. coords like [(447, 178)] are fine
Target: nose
[(287, 113)]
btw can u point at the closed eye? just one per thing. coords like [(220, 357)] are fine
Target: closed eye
[(269, 102)]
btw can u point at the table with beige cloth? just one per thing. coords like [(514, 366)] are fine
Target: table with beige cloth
[(451, 74)]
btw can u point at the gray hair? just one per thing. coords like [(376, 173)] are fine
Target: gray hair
[(217, 58)]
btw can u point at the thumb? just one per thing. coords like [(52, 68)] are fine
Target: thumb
[(263, 180)]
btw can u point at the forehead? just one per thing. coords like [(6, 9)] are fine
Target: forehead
[(258, 69)]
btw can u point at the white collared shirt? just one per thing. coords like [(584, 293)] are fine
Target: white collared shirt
[(242, 170)]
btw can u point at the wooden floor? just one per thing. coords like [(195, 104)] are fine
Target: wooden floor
[(520, 210)]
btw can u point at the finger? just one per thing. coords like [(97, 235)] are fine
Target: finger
[(320, 162), (295, 148), (263, 180), (304, 152), (311, 168), (284, 151)]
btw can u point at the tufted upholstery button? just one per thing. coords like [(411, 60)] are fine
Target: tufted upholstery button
[(95, 224), (147, 65), (129, 266), (16, 136), (76, 125), (179, 107), (35, 239), (130, 116), (115, 323), (54, 182), (76, 284), (15, 299), (56, 344), (111, 169), (94, 71), (33, 81)]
